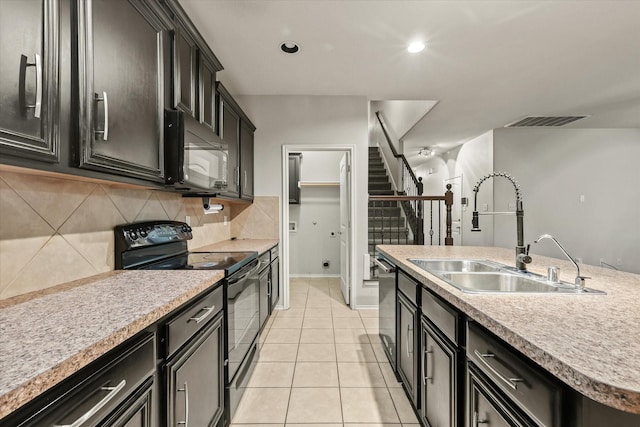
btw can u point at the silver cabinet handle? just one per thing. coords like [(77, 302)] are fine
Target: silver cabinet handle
[(37, 106), (207, 310), (237, 176), (408, 330), (511, 382), (105, 132), (185, 389), (113, 391), (425, 374), (384, 267), (477, 420), (245, 179)]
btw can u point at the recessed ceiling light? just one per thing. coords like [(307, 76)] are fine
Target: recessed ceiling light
[(289, 47), (415, 47)]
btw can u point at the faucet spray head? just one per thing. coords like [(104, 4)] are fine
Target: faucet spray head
[(475, 222)]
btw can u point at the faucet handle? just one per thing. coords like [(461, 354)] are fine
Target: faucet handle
[(581, 281)]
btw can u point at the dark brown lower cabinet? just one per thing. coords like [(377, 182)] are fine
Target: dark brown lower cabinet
[(439, 360), (407, 349), (196, 380), (486, 408)]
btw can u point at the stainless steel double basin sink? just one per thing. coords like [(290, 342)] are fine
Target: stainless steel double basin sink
[(483, 276)]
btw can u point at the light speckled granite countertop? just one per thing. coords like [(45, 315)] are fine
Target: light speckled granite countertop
[(239, 245), (590, 342), (45, 338)]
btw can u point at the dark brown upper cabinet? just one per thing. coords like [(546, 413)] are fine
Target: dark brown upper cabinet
[(29, 98), (184, 71), (123, 52)]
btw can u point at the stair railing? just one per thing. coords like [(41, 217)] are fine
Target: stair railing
[(430, 204), (410, 185)]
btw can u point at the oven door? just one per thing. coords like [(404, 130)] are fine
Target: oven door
[(243, 315)]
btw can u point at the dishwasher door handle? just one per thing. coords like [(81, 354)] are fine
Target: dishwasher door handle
[(383, 267)]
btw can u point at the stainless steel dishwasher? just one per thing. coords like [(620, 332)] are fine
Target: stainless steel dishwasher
[(387, 300)]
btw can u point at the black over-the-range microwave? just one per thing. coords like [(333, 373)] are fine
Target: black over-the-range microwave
[(196, 159)]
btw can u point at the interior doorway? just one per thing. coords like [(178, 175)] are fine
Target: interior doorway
[(341, 232)]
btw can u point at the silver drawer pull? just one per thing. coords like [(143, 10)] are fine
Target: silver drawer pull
[(409, 330), (425, 374), (477, 420), (207, 310), (113, 391), (511, 382), (37, 106), (105, 132), (185, 389)]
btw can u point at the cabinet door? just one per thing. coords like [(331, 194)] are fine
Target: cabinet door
[(246, 161), (486, 409), (137, 412), (184, 72), (196, 380), (407, 345), (274, 283), (123, 47), (207, 93), (28, 87), (438, 373), (229, 131)]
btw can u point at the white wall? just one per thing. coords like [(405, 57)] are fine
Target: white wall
[(317, 217), (472, 161), (313, 120), (555, 167)]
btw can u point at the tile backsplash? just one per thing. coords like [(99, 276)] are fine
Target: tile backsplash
[(55, 230)]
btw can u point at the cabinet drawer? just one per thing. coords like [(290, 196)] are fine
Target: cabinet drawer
[(408, 286), (445, 318), (194, 318), (99, 394), (275, 252), (524, 384)]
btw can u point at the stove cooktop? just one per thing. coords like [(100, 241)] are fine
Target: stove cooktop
[(230, 262)]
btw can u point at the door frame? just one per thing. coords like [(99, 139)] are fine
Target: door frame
[(284, 213)]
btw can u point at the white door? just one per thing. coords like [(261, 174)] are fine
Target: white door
[(345, 209), (456, 210)]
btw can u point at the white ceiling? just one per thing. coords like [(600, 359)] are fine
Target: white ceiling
[(488, 63)]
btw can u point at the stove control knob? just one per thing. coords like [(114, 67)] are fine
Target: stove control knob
[(133, 235), (188, 229), (142, 232)]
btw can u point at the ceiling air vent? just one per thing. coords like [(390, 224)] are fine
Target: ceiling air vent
[(544, 121)]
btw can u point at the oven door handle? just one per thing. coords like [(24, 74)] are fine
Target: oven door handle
[(244, 276)]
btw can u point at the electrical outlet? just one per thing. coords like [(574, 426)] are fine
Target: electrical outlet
[(579, 260), (582, 198), (224, 220), (187, 219), (485, 207), (512, 207)]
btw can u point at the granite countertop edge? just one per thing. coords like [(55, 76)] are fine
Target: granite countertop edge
[(585, 382)]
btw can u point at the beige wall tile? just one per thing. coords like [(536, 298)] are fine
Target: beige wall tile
[(97, 248), (152, 210), (96, 213), (171, 202), (52, 198), (57, 262), (128, 201)]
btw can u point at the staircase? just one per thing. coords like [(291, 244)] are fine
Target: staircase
[(386, 223)]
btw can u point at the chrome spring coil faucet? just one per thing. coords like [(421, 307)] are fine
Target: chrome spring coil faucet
[(522, 251)]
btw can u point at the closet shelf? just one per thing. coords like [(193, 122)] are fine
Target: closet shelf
[(318, 183)]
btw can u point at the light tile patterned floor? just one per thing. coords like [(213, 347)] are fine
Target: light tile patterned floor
[(322, 364)]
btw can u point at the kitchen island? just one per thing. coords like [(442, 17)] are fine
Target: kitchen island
[(589, 342)]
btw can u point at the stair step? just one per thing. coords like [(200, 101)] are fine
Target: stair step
[(394, 233), (386, 212), (376, 222), (381, 192), (378, 178), (383, 204), (390, 242), (379, 186)]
